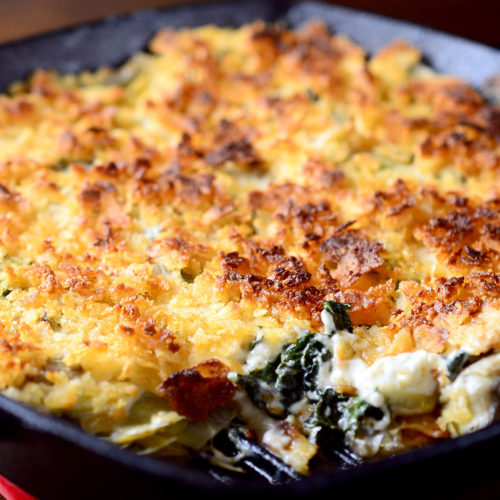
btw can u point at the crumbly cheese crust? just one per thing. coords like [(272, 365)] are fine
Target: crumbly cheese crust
[(219, 189)]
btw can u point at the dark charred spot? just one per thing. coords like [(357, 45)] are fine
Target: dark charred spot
[(90, 196), (312, 237), (128, 330), (233, 260), (473, 257), (454, 225), (109, 169), (353, 253), (149, 327), (485, 212), (291, 278), (140, 168), (306, 215), (232, 144), (198, 391), (185, 147), (447, 288), (272, 255), (5, 194), (398, 199), (459, 201), (106, 237), (169, 340), (240, 151), (492, 230)]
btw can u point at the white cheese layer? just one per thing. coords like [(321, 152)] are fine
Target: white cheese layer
[(406, 382)]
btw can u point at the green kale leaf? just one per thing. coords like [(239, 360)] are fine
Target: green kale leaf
[(340, 314), (289, 377)]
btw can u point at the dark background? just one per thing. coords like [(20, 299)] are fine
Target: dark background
[(478, 19)]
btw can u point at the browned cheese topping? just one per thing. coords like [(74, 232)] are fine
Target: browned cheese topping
[(157, 219)]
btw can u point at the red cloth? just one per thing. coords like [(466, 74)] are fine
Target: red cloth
[(12, 492)]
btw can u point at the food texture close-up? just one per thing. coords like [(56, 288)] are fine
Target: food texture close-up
[(253, 245)]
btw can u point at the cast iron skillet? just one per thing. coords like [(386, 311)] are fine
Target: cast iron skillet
[(53, 458)]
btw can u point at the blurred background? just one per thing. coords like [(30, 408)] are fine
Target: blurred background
[(478, 20)]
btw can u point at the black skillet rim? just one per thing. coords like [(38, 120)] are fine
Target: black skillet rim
[(170, 471)]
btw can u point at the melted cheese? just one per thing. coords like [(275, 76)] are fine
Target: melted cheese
[(407, 382)]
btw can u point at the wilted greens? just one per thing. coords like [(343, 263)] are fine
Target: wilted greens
[(340, 314), (293, 376)]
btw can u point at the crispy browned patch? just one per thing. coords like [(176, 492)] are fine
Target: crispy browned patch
[(321, 175), (240, 151), (309, 216), (278, 194), (232, 145), (353, 253), (314, 50), (284, 292), (18, 107), (275, 280), (88, 169), (291, 204), (191, 98), (437, 308), (7, 196), (198, 391), (178, 245), (195, 188), (191, 256), (398, 199), (311, 50), (466, 236), (467, 148), (447, 95)]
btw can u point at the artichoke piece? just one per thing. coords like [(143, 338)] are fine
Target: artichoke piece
[(127, 434), (149, 415)]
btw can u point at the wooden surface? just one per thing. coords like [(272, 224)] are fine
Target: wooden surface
[(478, 19)]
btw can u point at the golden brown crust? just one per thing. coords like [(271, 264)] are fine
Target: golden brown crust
[(225, 186), (467, 236)]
